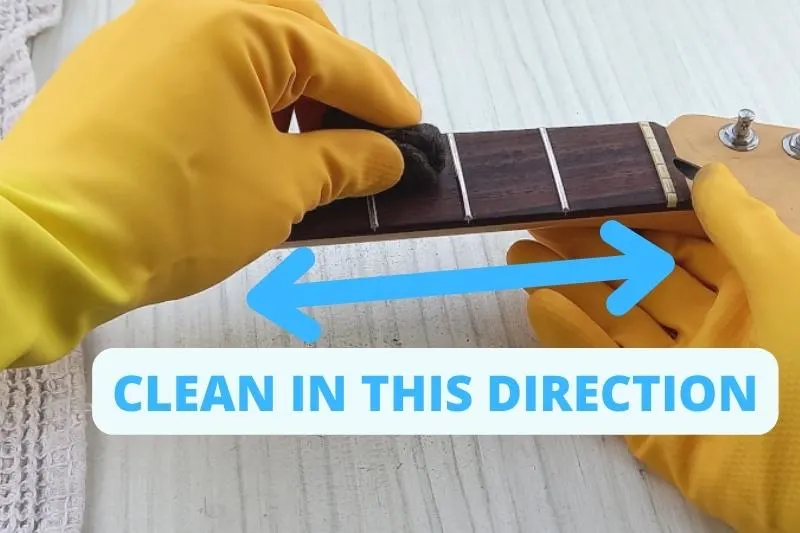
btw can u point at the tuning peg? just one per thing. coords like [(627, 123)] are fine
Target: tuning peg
[(740, 135), (791, 145)]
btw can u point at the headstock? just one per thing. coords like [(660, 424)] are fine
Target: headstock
[(764, 157)]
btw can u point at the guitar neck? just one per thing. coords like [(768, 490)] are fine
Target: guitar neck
[(502, 180)]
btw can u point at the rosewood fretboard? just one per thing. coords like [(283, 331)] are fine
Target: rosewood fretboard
[(506, 179)]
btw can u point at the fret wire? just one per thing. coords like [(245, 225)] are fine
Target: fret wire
[(551, 157), (372, 209), (460, 174), (661, 166)]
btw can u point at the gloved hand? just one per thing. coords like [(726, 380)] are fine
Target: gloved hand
[(155, 163), (740, 288)]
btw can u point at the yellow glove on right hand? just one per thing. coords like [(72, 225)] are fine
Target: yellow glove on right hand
[(740, 289)]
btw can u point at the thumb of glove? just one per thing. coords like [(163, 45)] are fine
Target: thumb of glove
[(560, 323)]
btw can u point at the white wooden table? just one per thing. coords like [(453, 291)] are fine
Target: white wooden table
[(476, 65)]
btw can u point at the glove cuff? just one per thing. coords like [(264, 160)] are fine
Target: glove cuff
[(51, 295)]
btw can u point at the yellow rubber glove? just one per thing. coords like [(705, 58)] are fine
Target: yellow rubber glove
[(156, 163), (741, 288)]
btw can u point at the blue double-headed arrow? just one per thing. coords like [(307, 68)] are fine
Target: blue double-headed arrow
[(642, 267)]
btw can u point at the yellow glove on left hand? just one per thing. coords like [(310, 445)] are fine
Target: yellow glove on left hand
[(156, 163)]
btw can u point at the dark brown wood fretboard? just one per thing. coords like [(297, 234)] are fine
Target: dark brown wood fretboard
[(507, 179)]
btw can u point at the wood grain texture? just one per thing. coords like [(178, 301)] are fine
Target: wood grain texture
[(604, 170), (477, 65), (507, 176), (619, 178)]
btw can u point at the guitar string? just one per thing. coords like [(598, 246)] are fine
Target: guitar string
[(372, 209)]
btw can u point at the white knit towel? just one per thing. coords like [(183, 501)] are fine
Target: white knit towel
[(42, 409)]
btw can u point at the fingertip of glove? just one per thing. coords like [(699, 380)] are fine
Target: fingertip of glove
[(407, 108), (528, 251), (414, 107), (384, 162), (560, 323), (407, 112), (514, 252), (350, 163), (401, 109), (547, 300)]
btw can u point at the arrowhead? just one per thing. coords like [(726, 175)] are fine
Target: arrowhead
[(272, 296), (646, 266)]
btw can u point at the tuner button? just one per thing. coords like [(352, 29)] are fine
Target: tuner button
[(740, 136), (791, 145)]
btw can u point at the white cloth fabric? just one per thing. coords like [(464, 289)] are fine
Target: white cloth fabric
[(42, 409), (19, 21)]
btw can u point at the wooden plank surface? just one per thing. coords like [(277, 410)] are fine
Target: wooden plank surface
[(476, 65)]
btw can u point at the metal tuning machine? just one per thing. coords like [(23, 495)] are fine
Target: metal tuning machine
[(791, 145), (740, 135)]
